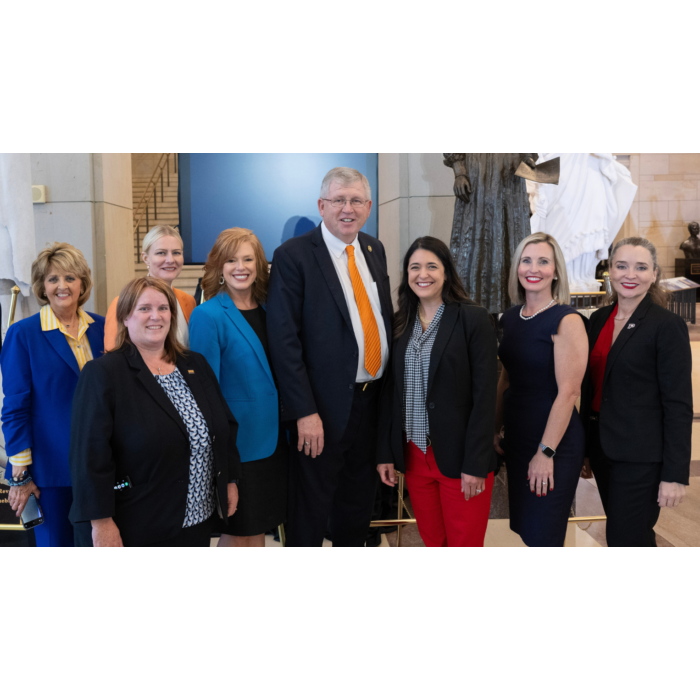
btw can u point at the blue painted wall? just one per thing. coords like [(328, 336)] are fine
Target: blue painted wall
[(274, 194)]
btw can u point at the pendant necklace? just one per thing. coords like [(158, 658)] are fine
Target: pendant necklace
[(529, 318)]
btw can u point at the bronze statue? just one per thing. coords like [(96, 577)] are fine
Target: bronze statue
[(691, 247), (492, 216)]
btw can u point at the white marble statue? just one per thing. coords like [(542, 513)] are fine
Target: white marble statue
[(17, 244), (584, 212)]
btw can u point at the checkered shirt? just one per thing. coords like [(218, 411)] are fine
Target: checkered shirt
[(415, 383)]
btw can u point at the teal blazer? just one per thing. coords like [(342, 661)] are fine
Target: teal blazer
[(220, 333)]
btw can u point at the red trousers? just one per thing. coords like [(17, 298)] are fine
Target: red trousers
[(443, 516)]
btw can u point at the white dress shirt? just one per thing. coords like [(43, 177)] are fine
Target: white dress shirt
[(339, 255), (183, 330)]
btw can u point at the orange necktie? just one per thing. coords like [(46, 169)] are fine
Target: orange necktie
[(373, 346)]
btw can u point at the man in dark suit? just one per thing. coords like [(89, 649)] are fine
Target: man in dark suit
[(329, 316)]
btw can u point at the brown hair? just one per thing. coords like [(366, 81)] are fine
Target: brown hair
[(129, 297), (452, 288), (658, 295), (69, 260), (224, 249)]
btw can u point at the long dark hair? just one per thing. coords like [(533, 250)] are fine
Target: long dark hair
[(452, 290)]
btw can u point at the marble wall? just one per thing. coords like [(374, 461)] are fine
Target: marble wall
[(415, 198), (88, 205)]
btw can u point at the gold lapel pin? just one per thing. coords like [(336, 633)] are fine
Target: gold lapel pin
[(369, 248), (190, 371)]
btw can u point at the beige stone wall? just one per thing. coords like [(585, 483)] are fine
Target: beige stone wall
[(668, 199), (415, 199)]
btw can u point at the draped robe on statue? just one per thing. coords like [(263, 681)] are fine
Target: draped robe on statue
[(17, 245), (487, 230), (584, 212)]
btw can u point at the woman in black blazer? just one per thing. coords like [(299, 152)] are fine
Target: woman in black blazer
[(439, 401), (637, 400), (153, 442)]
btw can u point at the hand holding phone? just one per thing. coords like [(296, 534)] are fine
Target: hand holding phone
[(31, 515)]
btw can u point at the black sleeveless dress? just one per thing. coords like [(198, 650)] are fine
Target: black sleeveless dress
[(527, 353)]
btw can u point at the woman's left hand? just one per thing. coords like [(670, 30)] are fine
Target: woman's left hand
[(472, 486), (671, 494), (232, 499), (541, 474)]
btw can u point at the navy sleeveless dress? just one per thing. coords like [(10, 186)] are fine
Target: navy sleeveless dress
[(527, 353)]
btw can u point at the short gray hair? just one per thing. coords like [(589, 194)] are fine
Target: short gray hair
[(560, 287), (345, 177)]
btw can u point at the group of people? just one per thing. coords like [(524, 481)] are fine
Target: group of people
[(289, 393)]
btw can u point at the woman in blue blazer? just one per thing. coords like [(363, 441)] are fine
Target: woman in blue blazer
[(230, 331), (41, 361)]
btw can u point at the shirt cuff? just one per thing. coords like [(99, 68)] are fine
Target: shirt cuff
[(22, 459)]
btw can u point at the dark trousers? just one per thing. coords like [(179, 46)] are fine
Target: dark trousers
[(629, 492), (194, 536), (336, 490)]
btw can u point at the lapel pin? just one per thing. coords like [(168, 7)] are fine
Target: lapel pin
[(630, 326), (369, 248), (190, 371)]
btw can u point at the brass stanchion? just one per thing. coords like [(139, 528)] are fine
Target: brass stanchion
[(13, 305)]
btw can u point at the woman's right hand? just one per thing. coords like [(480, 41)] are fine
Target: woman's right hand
[(19, 495), (462, 188), (387, 474), (105, 533), (497, 437)]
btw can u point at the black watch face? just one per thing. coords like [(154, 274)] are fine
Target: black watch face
[(549, 451)]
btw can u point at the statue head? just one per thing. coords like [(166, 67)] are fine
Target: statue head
[(694, 228)]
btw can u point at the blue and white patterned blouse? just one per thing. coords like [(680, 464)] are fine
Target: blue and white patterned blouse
[(201, 491)]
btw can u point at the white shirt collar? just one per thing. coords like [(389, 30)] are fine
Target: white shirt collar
[(333, 243)]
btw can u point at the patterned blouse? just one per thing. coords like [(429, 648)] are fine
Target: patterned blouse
[(201, 492), (415, 383)]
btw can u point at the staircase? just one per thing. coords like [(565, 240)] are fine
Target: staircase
[(162, 211), (165, 210)]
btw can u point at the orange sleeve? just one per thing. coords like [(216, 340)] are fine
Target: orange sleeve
[(111, 326), (186, 301)]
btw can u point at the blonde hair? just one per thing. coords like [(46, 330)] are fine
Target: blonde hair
[(658, 295), (129, 297), (159, 232), (68, 260), (560, 286), (225, 247)]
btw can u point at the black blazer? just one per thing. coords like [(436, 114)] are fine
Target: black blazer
[(646, 411), (461, 397), (312, 343), (123, 424)]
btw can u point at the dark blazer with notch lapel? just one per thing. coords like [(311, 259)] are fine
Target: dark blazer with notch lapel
[(646, 411), (39, 377), (312, 342), (461, 396), (124, 425)]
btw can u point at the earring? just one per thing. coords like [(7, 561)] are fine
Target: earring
[(221, 281), (148, 268), (556, 278)]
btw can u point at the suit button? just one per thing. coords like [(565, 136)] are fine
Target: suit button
[(218, 473), (213, 439), (351, 387), (431, 405)]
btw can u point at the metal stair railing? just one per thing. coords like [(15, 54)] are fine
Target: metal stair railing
[(150, 195)]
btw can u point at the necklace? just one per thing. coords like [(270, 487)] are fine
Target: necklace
[(420, 315), (529, 318)]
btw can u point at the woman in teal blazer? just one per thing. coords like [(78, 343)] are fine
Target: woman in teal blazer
[(230, 331)]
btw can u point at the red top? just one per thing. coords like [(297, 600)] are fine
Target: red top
[(599, 358)]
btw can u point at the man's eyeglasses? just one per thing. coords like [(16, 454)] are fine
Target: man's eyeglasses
[(340, 203)]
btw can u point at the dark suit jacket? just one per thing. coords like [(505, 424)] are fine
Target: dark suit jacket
[(123, 424), (646, 412), (312, 343), (39, 376), (461, 396)]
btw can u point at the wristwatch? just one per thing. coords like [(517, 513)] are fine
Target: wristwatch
[(548, 451)]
